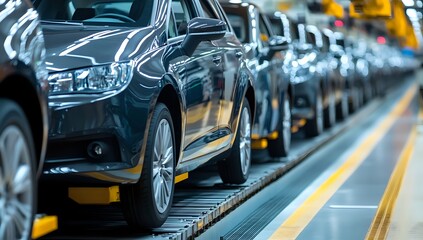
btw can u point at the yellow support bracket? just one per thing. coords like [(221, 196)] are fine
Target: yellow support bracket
[(332, 8), (44, 225), (103, 195), (273, 136), (181, 177), (94, 195), (371, 9), (397, 25), (259, 144), (400, 27)]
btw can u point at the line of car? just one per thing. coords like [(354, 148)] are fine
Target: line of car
[(140, 92)]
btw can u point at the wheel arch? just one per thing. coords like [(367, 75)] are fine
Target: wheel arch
[(170, 97), (20, 86)]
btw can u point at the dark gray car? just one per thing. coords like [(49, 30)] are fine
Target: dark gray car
[(264, 53), (141, 92), (23, 117)]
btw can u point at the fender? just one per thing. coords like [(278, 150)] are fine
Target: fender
[(246, 81), (166, 81), (16, 74)]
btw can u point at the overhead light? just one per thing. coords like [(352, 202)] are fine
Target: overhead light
[(408, 3), (411, 13)]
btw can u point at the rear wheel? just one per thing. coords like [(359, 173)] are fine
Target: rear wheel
[(279, 147), (146, 204), (314, 126), (17, 173), (235, 169)]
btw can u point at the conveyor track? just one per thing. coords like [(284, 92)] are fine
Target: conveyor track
[(200, 201)]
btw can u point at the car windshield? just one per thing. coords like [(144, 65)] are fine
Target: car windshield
[(96, 12)]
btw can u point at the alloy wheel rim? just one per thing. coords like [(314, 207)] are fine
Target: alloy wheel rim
[(163, 166), (245, 141), (287, 124), (16, 190)]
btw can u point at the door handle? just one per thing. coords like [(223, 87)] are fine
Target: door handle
[(238, 54), (217, 60)]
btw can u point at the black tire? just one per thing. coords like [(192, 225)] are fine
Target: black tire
[(314, 126), (236, 168), (354, 103), (368, 92), (139, 204), (342, 108), (330, 111), (280, 146), (16, 142)]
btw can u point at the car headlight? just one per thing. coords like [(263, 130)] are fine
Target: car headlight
[(91, 80)]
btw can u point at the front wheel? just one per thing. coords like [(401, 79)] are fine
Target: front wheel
[(279, 147), (18, 187), (146, 204), (235, 169)]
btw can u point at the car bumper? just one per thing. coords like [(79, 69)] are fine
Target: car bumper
[(101, 140)]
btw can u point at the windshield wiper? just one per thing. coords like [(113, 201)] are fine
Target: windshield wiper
[(61, 23)]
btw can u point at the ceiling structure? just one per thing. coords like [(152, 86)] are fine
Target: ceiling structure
[(398, 19)]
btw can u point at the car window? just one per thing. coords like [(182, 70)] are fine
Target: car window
[(293, 29), (182, 15), (172, 29), (211, 10), (264, 31), (208, 10), (325, 43), (277, 26), (281, 26), (221, 13), (239, 27), (97, 12)]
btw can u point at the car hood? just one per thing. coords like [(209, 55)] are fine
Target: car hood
[(71, 47)]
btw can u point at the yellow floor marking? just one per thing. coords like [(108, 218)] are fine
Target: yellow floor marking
[(380, 225), (295, 224)]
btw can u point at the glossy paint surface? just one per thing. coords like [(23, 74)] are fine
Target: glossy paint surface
[(24, 116), (271, 84), (203, 92)]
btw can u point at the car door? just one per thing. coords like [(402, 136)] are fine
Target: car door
[(231, 50), (201, 86), (270, 77)]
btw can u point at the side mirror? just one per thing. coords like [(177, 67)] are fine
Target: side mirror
[(202, 29)]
